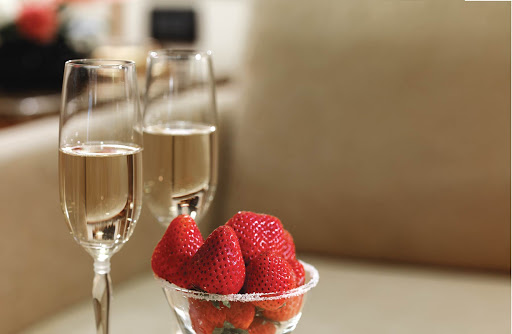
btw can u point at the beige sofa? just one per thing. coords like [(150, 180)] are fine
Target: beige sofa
[(43, 269), (379, 129), (374, 130)]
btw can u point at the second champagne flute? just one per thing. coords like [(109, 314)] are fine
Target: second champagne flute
[(180, 140)]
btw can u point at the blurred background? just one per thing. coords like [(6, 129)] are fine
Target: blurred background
[(377, 131)]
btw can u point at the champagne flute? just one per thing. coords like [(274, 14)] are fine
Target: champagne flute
[(180, 123), (100, 164)]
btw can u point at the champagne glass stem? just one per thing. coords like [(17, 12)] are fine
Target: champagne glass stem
[(101, 292)]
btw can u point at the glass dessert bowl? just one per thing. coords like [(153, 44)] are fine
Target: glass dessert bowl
[(273, 313)]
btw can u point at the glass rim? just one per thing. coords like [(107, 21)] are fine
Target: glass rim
[(179, 54), (97, 63), (248, 297)]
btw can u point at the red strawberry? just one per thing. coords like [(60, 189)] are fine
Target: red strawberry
[(218, 265), (290, 309), (257, 233), (205, 316), (287, 246), (261, 326), (267, 273), (240, 314), (180, 241), (298, 270)]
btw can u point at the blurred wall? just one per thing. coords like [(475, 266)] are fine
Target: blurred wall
[(378, 129), (221, 27)]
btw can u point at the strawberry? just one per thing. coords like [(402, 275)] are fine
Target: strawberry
[(269, 272), (218, 265), (290, 309), (287, 246), (240, 314), (298, 270), (180, 241), (257, 233), (205, 316), (261, 326)]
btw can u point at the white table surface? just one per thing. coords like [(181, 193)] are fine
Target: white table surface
[(352, 297)]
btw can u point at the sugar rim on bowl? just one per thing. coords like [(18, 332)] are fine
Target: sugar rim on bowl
[(249, 297)]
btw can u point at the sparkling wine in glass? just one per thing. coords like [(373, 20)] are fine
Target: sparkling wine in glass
[(180, 134), (100, 163)]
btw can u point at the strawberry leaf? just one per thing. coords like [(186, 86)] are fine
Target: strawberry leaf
[(259, 312), (228, 325), (280, 307), (226, 303), (216, 303), (230, 329), (238, 331)]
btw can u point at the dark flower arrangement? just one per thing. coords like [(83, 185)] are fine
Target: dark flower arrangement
[(34, 47)]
